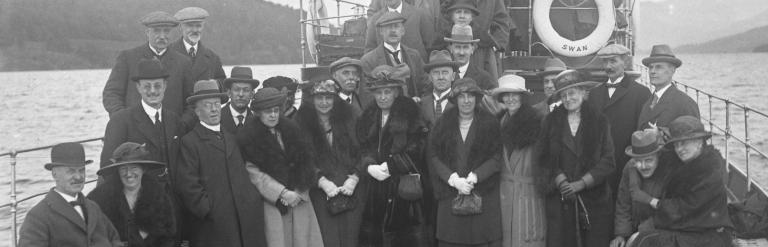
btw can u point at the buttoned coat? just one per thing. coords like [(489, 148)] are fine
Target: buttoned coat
[(205, 65), (54, 222), (228, 122), (378, 56), (120, 91), (672, 104), (419, 30), (226, 209), (427, 106)]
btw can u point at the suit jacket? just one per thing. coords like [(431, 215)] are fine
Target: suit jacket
[(483, 78), (672, 104), (205, 65), (360, 100), (54, 222), (228, 123), (419, 30), (120, 92), (378, 56), (226, 210), (427, 106)]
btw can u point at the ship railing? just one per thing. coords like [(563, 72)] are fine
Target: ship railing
[(304, 20), (14, 202)]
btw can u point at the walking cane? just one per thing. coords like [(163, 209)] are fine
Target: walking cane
[(578, 223)]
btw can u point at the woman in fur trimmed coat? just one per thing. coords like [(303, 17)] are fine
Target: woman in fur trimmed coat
[(328, 125)]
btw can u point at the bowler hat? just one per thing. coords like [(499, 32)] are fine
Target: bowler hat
[(159, 18), (441, 59), (644, 143), (241, 75), (70, 154), (662, 53), (572, 78), (131, 153), (266, 98), (206, 89), (613, 50), (465, 85), (150, 68), (324, 87), (344, 62), (464, 4), (461, 34), (389, 17), (387, 76), (190, 14), (687, 128), (510, 83), (553, 65)]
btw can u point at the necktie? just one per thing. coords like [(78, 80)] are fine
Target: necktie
[(349, 99), (240, 121), (192, 52), (439, 108), (654, 101), (611, 85), (158, 124), (278, 138), (394, 56)]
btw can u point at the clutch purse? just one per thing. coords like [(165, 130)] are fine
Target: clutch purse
[(471, 204), (409, 187), (340, 203)]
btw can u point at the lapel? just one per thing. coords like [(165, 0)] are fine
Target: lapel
[(144, 125), (660, 107), (227, 121), (428, 108), (209, 137), (620, 92), (93, 215), (148, 53), (200, 62), (170, 127), (62, 207), (382, 57)]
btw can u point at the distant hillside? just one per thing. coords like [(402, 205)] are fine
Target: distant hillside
[(86, 34), (748, 41)]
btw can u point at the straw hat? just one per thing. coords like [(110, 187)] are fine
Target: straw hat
[(510, 84), (70, 154), (131, 153)]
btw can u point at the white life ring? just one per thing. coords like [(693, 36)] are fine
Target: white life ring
[(596, 40)]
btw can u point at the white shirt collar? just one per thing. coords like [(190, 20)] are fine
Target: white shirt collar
[(344, 96), (661, 91), (617, 80), (399, 8), (187, 45), (437, 97), (67, 198), (391, 48), (155, 51), (463, 70), (151, 111), (214, 128), (235, 113)]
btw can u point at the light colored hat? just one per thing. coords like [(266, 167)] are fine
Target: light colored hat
[(461, 34), (190, 14), (206, 89), (613, 50), (324, 87), (553, 65), (644, 143), (662, 53), (159, 18), (510, 84)]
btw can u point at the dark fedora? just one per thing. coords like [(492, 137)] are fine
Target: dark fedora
[(131, 153), (687, 128), (465, 85), (570, 79), (644, 143), (464, 4), (150, 68), (461, 34), (389, 17), (385, 76), (70, 154), (662, 53), (266, 98), (241, 75), (285, 84), (553, 65), (441, 59), (206, 89), (344, 62)]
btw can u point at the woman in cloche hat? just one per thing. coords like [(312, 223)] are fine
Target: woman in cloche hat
[(137, 205)]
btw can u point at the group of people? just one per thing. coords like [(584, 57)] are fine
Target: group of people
[(388, 150)]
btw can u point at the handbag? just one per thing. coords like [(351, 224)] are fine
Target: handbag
[(409, 187), (471, 204), (340, 203)]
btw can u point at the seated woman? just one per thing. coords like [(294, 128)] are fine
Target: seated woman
[(647, 171), (693, 210), (137, 205)]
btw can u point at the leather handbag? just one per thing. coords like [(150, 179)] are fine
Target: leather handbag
[(340, 203), (409, 187), (471, 204)]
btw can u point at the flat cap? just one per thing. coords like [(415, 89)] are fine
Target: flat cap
[(190, 14), (344, 62), (613, 50), (389, 18), (159, 18)]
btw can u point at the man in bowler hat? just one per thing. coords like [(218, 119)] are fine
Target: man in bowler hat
[(235, 113), (65, 217), (206, 64), (667, 102)]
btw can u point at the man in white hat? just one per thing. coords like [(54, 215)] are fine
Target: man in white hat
[(206, 64), (462, 45), (667, 102)]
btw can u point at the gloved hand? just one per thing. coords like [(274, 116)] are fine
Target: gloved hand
[(329, 187), (641, 197), (460, 184), (349, 185), (472, 178), (290, 198), (378, 173)]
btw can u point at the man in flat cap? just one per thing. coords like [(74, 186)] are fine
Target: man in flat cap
[(667, 102), (224, 208), (620, 99), (65, 217), (119, 93), (206, 64), (288, 87), (347, 73), (419, 27), (235, 113), (392, 52)]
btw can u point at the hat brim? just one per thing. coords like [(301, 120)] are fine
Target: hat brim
[(194, 98), (268, 102), (51, 165), (162, 24), (672, 60), (696, 135), (398, 20), (137, 78), (549, 72), (497, 91), (389, 85), (587, 84), (471, 41), (453, 64), (147, 164), (228, 82), (464, 6), (629, 152), (334, 68)]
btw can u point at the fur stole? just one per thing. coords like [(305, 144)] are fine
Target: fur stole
[(522, 129), (404, 119), (446, 134), (153, 211), (709, 167), (291, 167)]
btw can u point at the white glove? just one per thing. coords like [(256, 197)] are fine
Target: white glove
[(472, 178), (377, 172), (329, 187), (460, 184), (349, 185)]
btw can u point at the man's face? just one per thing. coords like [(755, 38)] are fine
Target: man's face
[(462, 16), (192, 31), (385, 97), (661, 73), (290, 99), (323, 103), (270, 117), (549, 84), (393, 3), (689, 149), (158, 36), (131, 175), (240, 95), (614, 66), (152, 91), (442, 77), (646, 165), (462, 52), (392, 33), (466, 103), (573, 98), (209, 110), (348, 77), (69, 180)]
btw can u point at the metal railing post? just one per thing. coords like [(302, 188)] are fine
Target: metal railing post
[(711, 125), (746, 145), (303, 31), (13, 198), (727, 130)]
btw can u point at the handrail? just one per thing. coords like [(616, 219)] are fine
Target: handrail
[(44, 147), (36, 195)]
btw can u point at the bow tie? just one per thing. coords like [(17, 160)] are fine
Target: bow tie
[(609, 85), (79, 202)]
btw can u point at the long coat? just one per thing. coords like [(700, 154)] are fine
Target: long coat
[(672, 104), (225, 208), (378, 56), (622, 110), (54, 222), (419, 30), (205, 65), (152, 213), (228, 123), (335, 161), (590, 151), (120, 92), (479, 153)]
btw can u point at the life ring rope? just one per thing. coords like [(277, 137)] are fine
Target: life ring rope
[(574, 48)]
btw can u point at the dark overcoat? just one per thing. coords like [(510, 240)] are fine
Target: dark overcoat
[(360, 99), (54, 222), (483, 78), (632, 216), (480, 153), (419, 30), (228, 123), (622, 111), (120, 91), (672, 104), (152, 213), (205, 65), (378, 56), (427, 106), (590, 151), (226, 209)]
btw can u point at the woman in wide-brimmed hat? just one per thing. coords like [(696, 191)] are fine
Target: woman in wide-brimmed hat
[(328, 126), (390, 127), (576, 159), (522, 206), (137, 205)]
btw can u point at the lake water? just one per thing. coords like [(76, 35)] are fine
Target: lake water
[(46, 107)]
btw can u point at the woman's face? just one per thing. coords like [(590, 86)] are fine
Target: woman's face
[(573, 98), (131, 175), (323, 103), (511, 102), (461, 16), (689, 149), (385, 97), (466, 103), (270, 116)]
